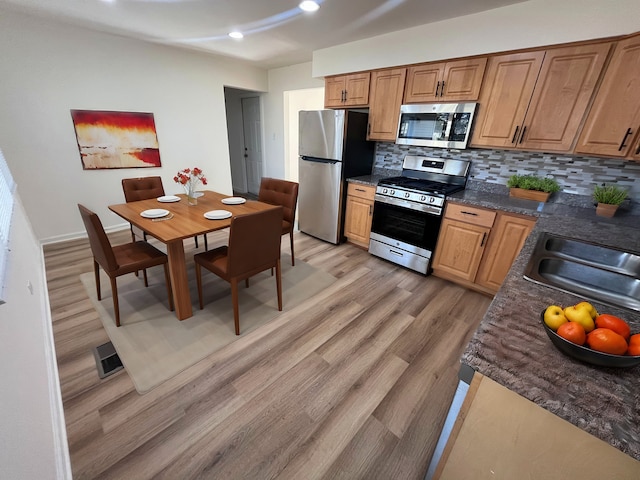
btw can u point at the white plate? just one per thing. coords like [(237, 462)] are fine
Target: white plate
[(217, 214), (233, 200), (168, 199), (155, 213)]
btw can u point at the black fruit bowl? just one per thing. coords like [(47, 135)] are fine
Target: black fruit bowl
[(586, 354)]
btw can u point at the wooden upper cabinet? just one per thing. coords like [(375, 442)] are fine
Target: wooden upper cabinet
[(347, 90), (538, 100), (611, 129), (447, 81), (387, 87), (565, 86), (505, 95)]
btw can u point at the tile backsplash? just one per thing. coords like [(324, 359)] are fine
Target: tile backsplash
[(576, 175)]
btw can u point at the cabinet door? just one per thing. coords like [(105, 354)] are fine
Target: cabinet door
[(387, 87), (507, 238), (614, 118), (334, 91), (504, 98), (459, 249), (357, 224), (423, 83), (462, 79), (357, 87), (562, 93)]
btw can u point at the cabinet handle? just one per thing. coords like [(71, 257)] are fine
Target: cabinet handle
[(343, 96), (469, 213), (624, 139), (437, 87), (484, 237), (522, 136), (515, 134), (360, 190), (442, 89), (370, 210), (368, 128), (638, 149)]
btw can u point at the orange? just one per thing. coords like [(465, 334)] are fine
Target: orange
[(634, 350), (616, 324), (634, 339), (572, 331), (607, 341)]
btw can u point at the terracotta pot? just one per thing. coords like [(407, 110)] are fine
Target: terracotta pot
[(606, 210), (529, 194)]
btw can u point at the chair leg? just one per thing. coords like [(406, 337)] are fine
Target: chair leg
[(279, 284), (116, 306), (133, 235), (206, 245), (96, 272), (293, 262), (246, 282), (167, 280), (196, 240), (199, 282), (234, 300), (144, 274)]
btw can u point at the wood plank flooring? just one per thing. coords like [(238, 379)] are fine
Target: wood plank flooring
[(355, 383)]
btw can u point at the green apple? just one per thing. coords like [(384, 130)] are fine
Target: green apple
[(581, 315), (554, 317)]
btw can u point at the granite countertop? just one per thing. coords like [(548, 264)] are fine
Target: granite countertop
[(512, 348)]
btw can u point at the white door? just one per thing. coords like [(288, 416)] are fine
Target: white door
[(252, 142)]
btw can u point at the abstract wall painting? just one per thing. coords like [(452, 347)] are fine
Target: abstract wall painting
[(116, 139)]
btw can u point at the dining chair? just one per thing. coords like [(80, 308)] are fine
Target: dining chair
[(119, 260), (285, 194), (254, 246), (144, 188)]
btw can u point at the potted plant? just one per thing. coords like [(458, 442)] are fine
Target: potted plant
[(608, 198), (532, 187)]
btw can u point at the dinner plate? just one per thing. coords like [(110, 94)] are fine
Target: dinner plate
[(168, 199), (217, 214), (233, 200), (154, 213)]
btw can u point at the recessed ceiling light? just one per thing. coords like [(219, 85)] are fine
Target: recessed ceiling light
[(236, 35), (309, 6)]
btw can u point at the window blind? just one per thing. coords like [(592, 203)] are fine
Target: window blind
[(7, 189)]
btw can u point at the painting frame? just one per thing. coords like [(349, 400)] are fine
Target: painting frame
[(115, 139)]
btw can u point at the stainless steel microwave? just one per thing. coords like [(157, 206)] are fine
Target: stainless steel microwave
[(446, 125)]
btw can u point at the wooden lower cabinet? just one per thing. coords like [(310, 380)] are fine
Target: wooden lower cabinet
[(359, 212), (500, 435), (477, 246)]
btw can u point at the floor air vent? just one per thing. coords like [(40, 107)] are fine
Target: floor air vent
[(107, 360)]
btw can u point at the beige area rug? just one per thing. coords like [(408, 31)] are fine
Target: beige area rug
[(155, 346)]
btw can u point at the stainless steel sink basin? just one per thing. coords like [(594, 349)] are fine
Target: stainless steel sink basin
[(593, 271)]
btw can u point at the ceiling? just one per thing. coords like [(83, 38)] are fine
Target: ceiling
[(276, 32)]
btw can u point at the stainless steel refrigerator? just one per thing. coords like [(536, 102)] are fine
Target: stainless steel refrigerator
[(332, 148)]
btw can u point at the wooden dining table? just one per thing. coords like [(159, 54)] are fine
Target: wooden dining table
[(185, 221)]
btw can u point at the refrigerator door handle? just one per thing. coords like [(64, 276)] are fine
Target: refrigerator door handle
[(319, 160)]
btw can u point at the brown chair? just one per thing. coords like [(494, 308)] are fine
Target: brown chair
[(120, 259), (285, 194), (254, 246), (144, 188)]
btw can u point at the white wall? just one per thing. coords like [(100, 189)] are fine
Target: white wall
[(281, 80), (32, 437), (529, 24), (48, 69)]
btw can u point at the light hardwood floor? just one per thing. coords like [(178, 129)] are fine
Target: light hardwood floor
[(355, 386)]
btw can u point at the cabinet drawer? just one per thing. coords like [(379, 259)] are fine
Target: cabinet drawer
[(473, 215), (363, 191)]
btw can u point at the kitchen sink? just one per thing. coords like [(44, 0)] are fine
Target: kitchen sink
[(593, 271)]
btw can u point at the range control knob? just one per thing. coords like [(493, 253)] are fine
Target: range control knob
[(422, 198), (384, 191), (432, 199), (393, 192), (407, 195)]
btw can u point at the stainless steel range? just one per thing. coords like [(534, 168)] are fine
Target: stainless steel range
[(408, 209)]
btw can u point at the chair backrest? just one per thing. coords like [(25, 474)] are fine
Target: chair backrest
[(280, 192), (254, 241), (142, 188), (100, 245)]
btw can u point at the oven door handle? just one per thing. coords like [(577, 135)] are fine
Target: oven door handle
[(430, 209)]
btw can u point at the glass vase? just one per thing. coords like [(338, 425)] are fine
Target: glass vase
[(191, 196)]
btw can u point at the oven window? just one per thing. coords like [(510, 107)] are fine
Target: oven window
[(406, 225)]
